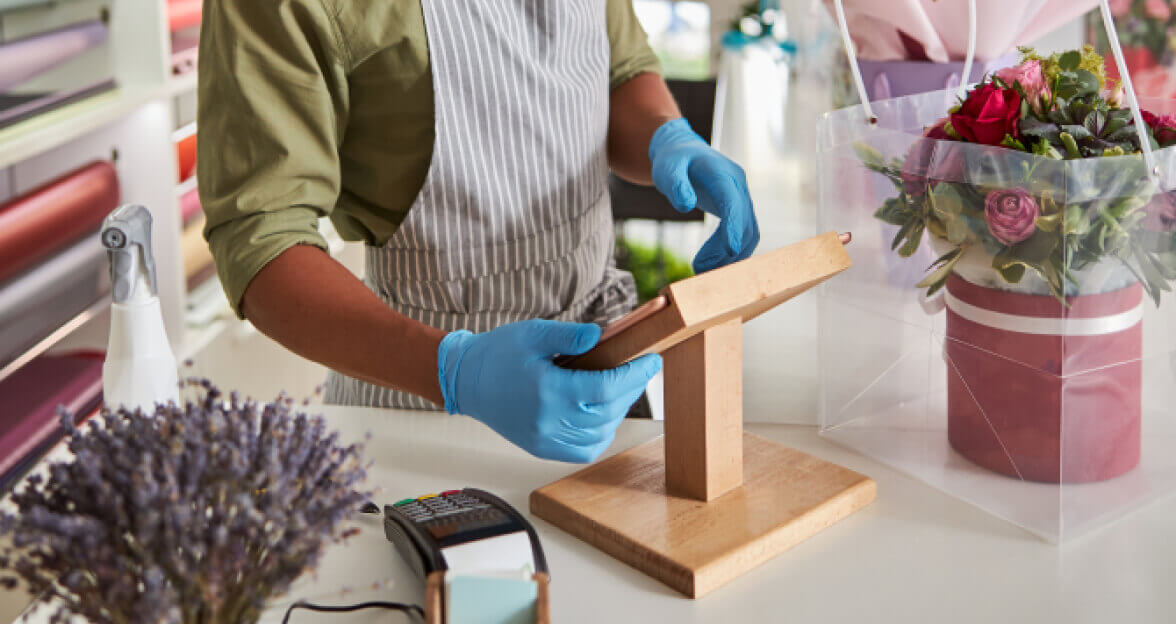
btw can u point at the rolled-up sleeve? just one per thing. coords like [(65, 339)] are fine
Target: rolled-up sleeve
[(629, 45), (272, 108)]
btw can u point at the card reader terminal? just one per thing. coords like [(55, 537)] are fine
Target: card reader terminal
[(424, 528)]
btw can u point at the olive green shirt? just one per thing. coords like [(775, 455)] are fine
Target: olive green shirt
[(311, 108)]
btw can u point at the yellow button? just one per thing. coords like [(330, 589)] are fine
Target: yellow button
[(427, 496)]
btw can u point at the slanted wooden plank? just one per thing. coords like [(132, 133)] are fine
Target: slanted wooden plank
[(741, 290)]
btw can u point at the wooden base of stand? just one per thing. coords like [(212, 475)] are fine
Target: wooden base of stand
[(620, 505)]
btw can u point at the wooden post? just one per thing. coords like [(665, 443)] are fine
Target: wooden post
[(704, 413)]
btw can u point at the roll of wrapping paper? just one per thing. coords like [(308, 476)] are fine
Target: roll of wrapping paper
[(190, 206), (16, 107), (29, 424), (8, 5), (183, 14), (198, 262), (54, 215), (35, 303), (186, 156), (26, 58)]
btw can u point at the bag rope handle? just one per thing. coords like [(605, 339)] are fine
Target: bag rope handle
[(1149, 158), (856, 71)]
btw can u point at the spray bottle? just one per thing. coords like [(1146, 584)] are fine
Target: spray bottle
[(140, 370)]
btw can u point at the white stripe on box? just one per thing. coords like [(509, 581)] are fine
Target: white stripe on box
[(1041, 326)]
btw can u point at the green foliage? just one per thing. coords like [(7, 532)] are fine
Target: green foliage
[(1101, 216), (646, 262), (1086, 59), (1081, 126), (1093, 225)]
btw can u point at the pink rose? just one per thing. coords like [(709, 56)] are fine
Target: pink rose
[(1157, 9), (1011, 215), (1119, 8), (1031, 79)]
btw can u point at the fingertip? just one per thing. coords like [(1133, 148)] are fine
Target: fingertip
[(684, 197), (651, 365), (587, 335)]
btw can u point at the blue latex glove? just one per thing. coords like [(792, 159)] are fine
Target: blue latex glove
[(506, 379), (692, 174)]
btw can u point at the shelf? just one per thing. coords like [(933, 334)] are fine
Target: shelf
[(96, 308), (59, 126)]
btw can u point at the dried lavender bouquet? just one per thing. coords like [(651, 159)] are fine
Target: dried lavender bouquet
[(197, 514)]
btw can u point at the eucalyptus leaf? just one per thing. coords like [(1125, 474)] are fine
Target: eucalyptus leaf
[(945, 265), (1049, 223), (914, 237), (869, 155), (1125, 206), (1012, 273), (893, 211), (1087, 83)]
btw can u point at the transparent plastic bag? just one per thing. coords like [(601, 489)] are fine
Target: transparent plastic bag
[(1035, 379)]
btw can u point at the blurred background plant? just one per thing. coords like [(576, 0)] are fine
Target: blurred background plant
[(1147, 32), (199, 513), (652, 266)]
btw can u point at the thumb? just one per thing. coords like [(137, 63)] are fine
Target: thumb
[(671, 177), (627, 380), (553, 337)]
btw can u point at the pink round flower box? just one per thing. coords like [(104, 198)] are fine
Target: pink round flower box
[(1042, 392)]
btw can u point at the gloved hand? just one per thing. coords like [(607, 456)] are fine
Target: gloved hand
[(692, 174), (505, 378)]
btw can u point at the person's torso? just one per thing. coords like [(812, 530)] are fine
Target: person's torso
[(389, 138)]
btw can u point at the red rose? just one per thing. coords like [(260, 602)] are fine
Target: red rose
[(987, 115), (1163, 127)]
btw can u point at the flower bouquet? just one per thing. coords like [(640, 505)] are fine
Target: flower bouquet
[(1048, 230)]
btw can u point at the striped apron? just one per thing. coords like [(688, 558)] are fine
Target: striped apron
[(513, 221)]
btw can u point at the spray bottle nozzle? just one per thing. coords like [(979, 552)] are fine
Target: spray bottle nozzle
[(126, 234)]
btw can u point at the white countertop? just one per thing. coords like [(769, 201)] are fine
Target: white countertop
[(914, 555)]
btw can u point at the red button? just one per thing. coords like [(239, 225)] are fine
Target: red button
[(448, 492)]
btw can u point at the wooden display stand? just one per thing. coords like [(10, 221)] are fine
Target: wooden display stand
[(721, 502)]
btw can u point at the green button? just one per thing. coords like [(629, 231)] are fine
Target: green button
[(404, 502)]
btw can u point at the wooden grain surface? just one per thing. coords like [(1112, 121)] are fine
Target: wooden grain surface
[(704, 424), (741, 290), (621, 506)]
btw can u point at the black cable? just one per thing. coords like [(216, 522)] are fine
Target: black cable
[(375, 604)]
